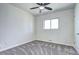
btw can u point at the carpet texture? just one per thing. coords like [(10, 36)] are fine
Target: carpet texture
[(40, 48)]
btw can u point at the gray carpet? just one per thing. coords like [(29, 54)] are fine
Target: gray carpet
[(40, 48)]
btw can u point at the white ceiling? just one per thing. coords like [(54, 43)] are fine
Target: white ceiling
[(54, 6)]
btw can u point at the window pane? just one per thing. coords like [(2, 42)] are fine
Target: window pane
[(54, 24), (47, 24)]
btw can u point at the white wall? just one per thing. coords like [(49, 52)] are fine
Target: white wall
[(65, 33), (77, 27), (16, 26)]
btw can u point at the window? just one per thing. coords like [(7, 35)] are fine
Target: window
[(47, 24), (51, 24), (54, 24)]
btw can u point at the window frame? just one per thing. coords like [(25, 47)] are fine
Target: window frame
[(50, 24)]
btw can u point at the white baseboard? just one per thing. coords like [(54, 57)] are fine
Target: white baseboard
[(14, 46), (56, 42)]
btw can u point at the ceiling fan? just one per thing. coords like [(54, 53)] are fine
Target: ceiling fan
[(42, 6)]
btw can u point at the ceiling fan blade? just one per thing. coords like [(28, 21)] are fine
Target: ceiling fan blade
[(46, 3), (34, 7), (39, 3), (48, 8)]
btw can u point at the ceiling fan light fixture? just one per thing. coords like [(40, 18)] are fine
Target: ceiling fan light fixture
[(41, 7)]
